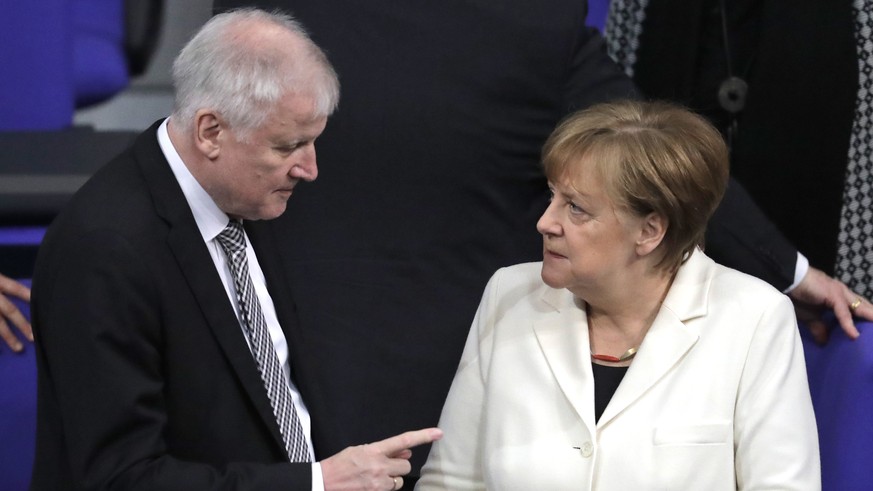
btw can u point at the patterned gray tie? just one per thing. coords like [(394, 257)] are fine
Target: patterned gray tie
[(855, 255), (624, 24), (233, 241)]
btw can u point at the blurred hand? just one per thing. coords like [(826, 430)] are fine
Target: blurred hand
[(818, 292), (376, 466), (10, 313)]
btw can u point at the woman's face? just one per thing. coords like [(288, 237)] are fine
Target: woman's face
[(587, 241)]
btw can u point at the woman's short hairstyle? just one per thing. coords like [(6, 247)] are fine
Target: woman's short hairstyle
[(652, 157), (229, 71)]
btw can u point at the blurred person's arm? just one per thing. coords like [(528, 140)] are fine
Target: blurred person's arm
[(740, 236), (9, 313), (818, 292)]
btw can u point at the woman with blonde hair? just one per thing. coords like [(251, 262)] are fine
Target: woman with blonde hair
[(627, 359)]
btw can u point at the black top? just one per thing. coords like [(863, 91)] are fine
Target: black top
[(606, 380)]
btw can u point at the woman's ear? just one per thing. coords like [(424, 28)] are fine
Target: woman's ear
[(209, 133), (654, 227)]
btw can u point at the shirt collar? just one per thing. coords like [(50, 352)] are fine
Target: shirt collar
[(208, 216)]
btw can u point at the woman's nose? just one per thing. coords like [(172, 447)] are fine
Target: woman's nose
[(547, 225)]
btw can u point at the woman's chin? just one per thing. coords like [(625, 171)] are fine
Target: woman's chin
[(552, 279)]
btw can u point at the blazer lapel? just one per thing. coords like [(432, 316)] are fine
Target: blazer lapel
[(192, 256), (670, 336), (664, 346), (563, 339)]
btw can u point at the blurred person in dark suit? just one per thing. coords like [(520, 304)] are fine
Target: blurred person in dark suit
[(793, 112)]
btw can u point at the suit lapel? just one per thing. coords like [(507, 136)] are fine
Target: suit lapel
[(263, 238), (563, 339), (192, 256), (670, 336), (663, 348), (261, 235), (300, 359)]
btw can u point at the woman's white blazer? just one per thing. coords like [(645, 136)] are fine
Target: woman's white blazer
[(716, 398)]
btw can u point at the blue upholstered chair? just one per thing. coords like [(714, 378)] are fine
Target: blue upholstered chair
[(36, 66), (56, 56), (100, 68), (841, 383), (597, 12)]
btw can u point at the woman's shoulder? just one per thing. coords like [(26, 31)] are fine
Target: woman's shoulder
[(524, 276), (519, 284), (522, 271), (744, 296), (701, 270), (731, 306), (736, 283)]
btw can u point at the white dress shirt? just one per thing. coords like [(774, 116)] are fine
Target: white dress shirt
[(211, 221), (800, 270)]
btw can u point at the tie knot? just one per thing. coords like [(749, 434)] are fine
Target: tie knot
[(232, 239)]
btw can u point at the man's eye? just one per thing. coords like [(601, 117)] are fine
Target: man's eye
[(286, 149)]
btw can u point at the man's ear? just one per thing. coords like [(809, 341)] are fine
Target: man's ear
[(654, 227), (209, 133)]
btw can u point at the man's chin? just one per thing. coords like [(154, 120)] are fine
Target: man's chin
[(274, 214), (267, 213)]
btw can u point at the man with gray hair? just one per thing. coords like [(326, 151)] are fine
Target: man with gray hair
[(164, 361)]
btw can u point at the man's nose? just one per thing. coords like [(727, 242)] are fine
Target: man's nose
[(307, 167)]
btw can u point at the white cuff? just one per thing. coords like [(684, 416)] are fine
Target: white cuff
[(800, 270), (317, 477)]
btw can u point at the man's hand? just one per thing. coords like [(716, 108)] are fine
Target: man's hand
[(377, 466), (817, 292), (10, 313)]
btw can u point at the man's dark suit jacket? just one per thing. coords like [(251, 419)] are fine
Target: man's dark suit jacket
[(145, 380), (799, 59)]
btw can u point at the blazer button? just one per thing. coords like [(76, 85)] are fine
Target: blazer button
[(587, 449)]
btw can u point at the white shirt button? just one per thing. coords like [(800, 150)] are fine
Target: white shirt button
[(587, 449)]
